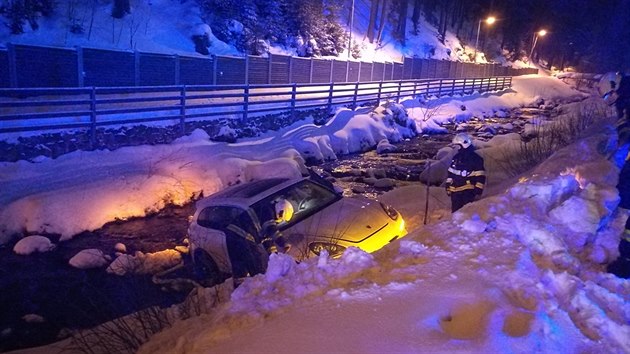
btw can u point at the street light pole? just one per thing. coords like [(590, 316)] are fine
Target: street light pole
[(351, 20), (490, 20), (540, 33)]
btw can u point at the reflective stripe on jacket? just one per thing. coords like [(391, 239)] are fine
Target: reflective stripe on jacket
[(466, 172)]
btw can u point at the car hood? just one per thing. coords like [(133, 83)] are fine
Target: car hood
[(348, 219)]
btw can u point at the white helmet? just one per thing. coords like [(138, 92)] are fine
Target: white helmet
[(462, 139), (284, 210)]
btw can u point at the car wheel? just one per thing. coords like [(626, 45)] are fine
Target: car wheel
[(206, 269)]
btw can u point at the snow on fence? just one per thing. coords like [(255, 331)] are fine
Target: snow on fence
[(25, 66), (39, 109)]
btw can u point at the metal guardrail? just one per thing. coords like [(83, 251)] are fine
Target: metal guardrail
[(39, 109)]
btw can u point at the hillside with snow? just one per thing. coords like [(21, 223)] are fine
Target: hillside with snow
[(167, 26)]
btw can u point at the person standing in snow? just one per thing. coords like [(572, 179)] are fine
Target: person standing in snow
[(466, 175), (621, 266), (246, 256)]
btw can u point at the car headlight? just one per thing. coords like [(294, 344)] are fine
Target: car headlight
[(391, 212), (334, 250)]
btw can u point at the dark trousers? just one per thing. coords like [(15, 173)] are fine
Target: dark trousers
[(244, 256), (459, 199), (621, 266), (624, 245)]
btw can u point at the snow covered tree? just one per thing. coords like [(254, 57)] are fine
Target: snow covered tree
[(16, 12), (120, 8)]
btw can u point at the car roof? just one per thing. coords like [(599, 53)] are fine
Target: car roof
[(246, 194)]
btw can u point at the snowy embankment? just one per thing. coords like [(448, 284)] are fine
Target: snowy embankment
[(84, 190), (518, 272)]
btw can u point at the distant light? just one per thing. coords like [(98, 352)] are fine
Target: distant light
[(490, 20), (542, 32)]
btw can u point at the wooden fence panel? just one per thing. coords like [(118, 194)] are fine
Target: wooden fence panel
[(46, 67), (157, 70), (280, 69), (366, 72), (433, 66), (407, 72), (321, 71), (258, 70), (53, 67), (301, 70), (4, 69), (424, 69), (339, 71), (353, 73), (195, 71), (398, 71), (108, 68), (443, 69), (388, 69), (378, 70), (417, 69), (230, 71)]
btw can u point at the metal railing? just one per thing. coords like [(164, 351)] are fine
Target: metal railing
[(40, 109)]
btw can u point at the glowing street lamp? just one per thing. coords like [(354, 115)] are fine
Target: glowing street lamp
[(540, 33), (490, 20)]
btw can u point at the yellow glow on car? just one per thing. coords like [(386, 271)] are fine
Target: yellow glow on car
[(391, 232)]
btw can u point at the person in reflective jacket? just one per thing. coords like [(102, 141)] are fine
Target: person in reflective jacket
[(621, 266), (466, 175)]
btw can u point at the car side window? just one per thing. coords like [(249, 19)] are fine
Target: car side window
[(306, 198), (219, 217)]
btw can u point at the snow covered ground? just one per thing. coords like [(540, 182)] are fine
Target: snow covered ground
[(519, 271)]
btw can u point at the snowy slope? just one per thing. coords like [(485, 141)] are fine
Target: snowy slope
[(166, 26)]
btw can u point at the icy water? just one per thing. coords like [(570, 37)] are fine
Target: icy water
[(44, 284)]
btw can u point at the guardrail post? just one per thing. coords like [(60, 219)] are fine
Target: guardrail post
[(182, 109), (245, 101), (440, 88), (293, 94), (330, 96), (356, 92), (380, 88), (399, 87), (13, 81), (415, 88), (464, 88), (93, 117), (453, 88)]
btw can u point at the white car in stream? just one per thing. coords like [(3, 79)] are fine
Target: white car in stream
[(321, 219)]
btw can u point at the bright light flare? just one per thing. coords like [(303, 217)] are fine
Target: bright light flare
[(490, 20), (542, 32)]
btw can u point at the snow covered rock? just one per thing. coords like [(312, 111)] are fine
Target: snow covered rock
[(89, 258), (32, 244), (120, 247), (384, 146)]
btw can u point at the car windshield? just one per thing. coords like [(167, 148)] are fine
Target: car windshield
[(306, 197)]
